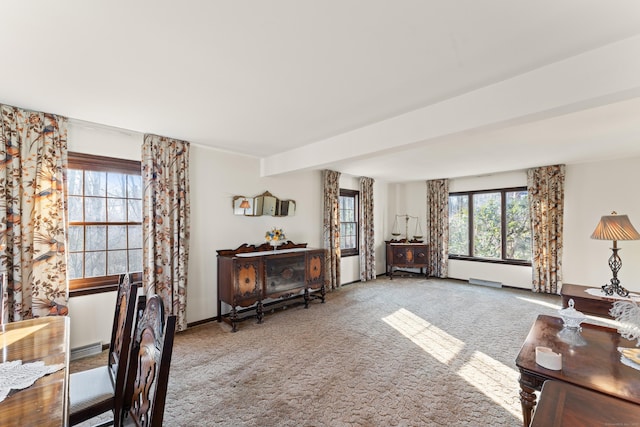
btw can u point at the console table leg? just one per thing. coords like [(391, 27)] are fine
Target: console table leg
[(306, 297), (259, 312), (528, 401), (322, 292)]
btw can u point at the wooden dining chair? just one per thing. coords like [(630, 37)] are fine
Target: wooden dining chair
[(148, 374), (96, 391)]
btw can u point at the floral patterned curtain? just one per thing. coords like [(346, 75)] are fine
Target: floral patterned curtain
[(165, 224), (33, 149), (438, 227), (546, 202), (331, 227), (367, 249)]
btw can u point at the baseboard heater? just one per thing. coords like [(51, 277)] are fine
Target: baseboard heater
[(482, 282), (85, 351)]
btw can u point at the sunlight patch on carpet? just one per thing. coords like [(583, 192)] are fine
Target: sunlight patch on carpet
[(494, 379), (542, 303), (428, 337)]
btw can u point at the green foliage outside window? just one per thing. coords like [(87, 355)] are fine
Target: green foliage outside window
[(485, 210)]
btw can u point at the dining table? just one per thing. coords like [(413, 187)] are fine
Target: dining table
[(37, 342)]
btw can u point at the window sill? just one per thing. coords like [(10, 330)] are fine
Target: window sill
[(490, 261)]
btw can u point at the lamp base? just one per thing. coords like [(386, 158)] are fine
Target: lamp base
[(612, 287)]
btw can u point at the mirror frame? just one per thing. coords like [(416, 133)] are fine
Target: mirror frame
[(264, 204)]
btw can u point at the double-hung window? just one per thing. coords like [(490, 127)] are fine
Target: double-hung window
[(104, 236), (349, 216), (490, 225)]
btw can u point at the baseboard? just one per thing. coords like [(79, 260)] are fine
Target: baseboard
[(86, 351)]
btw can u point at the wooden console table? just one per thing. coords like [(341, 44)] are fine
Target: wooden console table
[(584, 302), (563, 404), (407, 255), (594, 366), (249, 275)]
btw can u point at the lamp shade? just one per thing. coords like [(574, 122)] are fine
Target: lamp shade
[(615, 227), (245, 204)]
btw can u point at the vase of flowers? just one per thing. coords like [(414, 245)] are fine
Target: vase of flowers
[(274, 237)]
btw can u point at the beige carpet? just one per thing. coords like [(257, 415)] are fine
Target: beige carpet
[(406, 352)]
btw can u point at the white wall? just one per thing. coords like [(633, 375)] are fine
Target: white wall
[(215, 177), (593, 190)]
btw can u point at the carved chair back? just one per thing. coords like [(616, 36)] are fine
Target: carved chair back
[(120, 344), (121, 334), (149, 364)]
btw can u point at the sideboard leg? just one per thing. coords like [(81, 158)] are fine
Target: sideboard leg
[(306, 297), (234, 319), (322, 292), (259, 312)]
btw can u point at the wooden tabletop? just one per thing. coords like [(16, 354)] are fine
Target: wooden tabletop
[(595, 365), (563, 404), (46, 402)]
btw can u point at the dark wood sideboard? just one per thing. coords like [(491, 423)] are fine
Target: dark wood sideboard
[(401, 254), (252, 277), (584, 302)]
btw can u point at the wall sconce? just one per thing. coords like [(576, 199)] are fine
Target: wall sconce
[(615, 227)]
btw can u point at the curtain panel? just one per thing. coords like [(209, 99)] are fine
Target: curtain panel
[(165, 177), (367, 248), (546, 203), (33, 149), (438, 227), (331, 227)]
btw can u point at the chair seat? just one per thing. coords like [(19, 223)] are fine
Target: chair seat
[(90, 388)]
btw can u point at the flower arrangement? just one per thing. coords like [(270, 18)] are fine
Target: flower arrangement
[(275, 235)]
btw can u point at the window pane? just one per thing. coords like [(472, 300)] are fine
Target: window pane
[(134, 186), (117, 262), (95, 183), (135, 210), (116, 184), (75, 208), (74, 268), (96, 237), (74, 182), (95, 264), (518, 233), (487, 241), (135, 236), (117, 237), (115, 210), (76, 238), (135, 260), (459, 225), (95, 209)]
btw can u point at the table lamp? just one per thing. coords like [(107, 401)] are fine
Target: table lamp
[(615, 227), (245, 205)]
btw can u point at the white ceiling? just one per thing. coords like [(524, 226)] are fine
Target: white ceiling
[(297, 78)]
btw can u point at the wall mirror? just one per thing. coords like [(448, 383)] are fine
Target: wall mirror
[(263, 204)]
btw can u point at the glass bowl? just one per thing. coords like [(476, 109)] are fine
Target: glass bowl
[(571, 317)]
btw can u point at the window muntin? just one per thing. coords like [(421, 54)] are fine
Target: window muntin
[(104, 236), (490, 226), (349, 217)]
